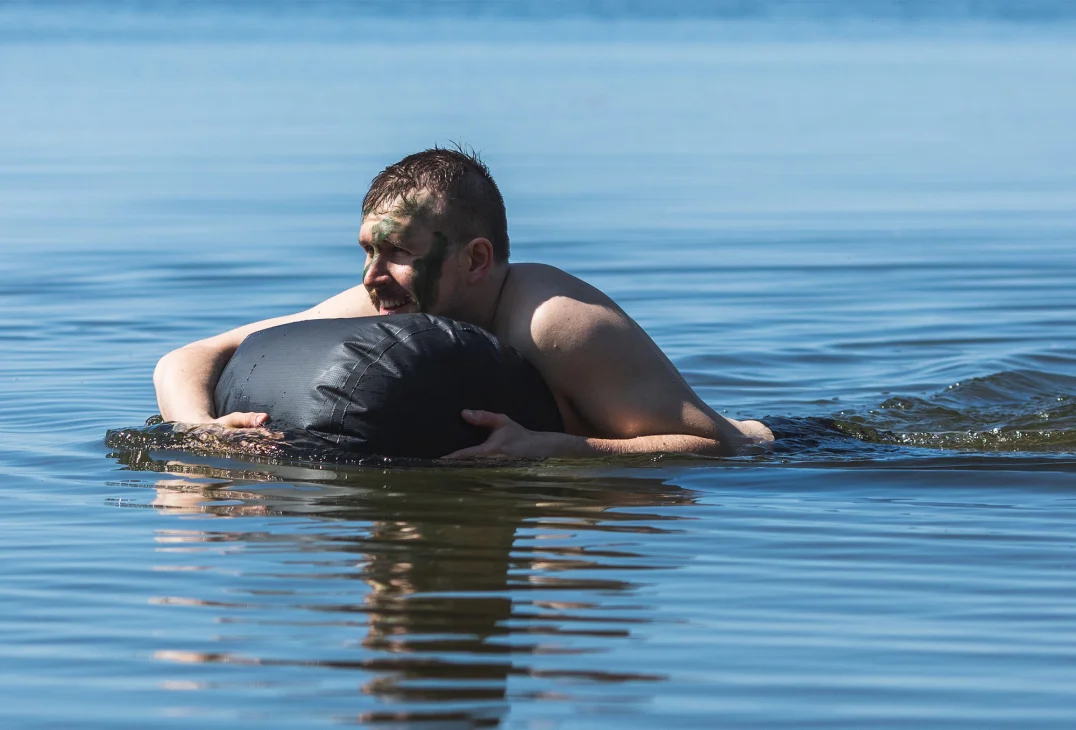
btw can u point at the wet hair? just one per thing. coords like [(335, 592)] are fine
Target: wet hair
[(471, 205)]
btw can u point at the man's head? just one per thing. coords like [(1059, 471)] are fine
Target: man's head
[(434, 229)]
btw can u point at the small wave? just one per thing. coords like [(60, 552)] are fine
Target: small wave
[(1008, 411)]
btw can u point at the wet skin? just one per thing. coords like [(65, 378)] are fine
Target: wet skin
[(381, 232), (617, 392), (388, 240), (428, 270)]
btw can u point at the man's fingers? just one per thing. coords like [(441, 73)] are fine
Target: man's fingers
[(262, 433), (486, 419), (242, 420), (256, 433), (206, 431), (470, 452)]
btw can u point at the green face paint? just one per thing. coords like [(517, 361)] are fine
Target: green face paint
[(411, 206), (384, 228), (428, 268)]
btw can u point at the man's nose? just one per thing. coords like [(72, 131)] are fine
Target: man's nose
[(375, 269)]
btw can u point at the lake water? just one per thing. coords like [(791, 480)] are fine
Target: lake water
[(857, 220)]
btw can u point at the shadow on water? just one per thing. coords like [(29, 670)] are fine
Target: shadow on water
[(450, 583)]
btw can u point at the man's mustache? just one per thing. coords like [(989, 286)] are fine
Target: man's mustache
[(391, 293)]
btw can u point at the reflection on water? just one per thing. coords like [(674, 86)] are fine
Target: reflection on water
[(479, 597), (442, 585)]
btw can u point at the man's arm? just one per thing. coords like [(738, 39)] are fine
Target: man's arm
[(628, 397), (508, 438), (186, 378)]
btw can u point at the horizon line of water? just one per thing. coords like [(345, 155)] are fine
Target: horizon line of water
[(381, 21)]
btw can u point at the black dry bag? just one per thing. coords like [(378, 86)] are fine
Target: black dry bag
[(390, 385)]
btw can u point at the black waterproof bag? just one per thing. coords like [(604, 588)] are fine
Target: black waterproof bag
[(390, 385)]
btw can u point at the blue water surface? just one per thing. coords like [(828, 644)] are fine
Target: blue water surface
[(857, 220)]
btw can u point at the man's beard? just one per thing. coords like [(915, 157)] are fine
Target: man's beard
[(387, 300)]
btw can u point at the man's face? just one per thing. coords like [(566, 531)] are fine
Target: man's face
[(405, 258)]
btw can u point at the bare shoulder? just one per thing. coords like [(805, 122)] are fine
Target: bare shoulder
[(580, 340), (354, 302), (543, 280), (556, 311), (610, 378), (614, 379)]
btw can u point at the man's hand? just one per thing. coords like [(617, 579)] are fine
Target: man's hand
[(237, 422), (233, 426), (242, 430), (242, 420), (508, 438)]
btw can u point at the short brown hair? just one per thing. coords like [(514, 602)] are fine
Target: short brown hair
[(473, 206)]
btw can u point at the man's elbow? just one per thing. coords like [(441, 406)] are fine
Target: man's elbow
[(171, 364), (179, 371), (163, 377), (162, 370)]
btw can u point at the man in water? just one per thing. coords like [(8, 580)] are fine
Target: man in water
[(435, 233)]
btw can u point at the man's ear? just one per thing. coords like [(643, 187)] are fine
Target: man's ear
[(478, 258)]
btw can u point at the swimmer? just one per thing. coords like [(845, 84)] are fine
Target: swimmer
[(435, 233)]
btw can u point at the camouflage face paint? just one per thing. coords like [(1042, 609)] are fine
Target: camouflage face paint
[(411, 206), (428, 268), (384, 228)]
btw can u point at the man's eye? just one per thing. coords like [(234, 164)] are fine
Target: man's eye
[(397, 249)]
